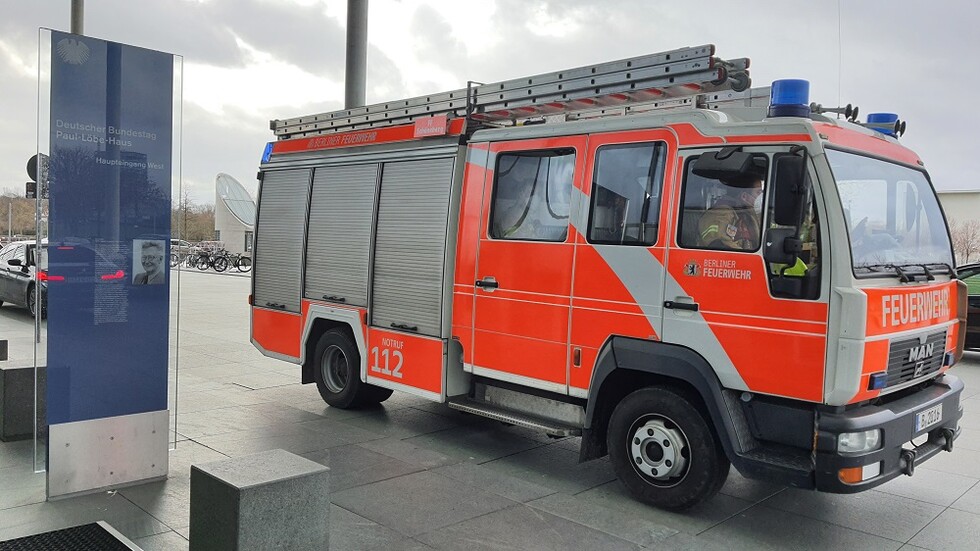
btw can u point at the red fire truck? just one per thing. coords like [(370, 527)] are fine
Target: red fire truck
[(682, 270)]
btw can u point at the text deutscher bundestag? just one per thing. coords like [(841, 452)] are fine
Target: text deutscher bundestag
[(93, 133)]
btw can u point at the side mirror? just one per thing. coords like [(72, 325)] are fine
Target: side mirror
[(15, 262), (727, 164), (782, 246), (790, 187)]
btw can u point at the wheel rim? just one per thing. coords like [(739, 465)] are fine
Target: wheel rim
[(335, 369), (659, 450)]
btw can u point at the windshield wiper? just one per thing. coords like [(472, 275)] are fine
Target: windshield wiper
[(925, 268), (903, 275)]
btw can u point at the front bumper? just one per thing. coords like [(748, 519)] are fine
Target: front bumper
[(896, 420)]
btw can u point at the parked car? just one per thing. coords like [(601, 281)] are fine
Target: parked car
[(970, 274), (18, 262)]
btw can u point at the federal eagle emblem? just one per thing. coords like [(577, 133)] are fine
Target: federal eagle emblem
[(72, 51)]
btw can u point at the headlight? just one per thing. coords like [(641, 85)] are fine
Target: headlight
[(859, 442)]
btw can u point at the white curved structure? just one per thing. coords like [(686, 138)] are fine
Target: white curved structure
[(234, 214)]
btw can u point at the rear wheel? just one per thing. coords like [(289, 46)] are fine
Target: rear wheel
[(203, 263), (664, 450), (337, 373)]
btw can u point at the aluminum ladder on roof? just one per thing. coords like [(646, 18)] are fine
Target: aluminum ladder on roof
[(683, 72)]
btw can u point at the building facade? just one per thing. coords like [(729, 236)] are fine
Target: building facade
[(234, 215)]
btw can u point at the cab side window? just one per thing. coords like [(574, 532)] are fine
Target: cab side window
[(626, 193), (531, 195), (724, 215)]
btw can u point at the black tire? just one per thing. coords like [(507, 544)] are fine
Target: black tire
[(220, 264), (645, 429), (174, 260), (32, 303), (336, 369), (203, 263), (244, 264)]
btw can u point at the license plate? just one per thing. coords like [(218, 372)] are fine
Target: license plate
[(928, 418)]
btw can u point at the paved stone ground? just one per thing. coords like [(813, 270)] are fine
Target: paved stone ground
[(413, 475)]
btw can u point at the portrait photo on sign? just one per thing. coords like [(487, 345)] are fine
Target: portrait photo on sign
[(148, 264)]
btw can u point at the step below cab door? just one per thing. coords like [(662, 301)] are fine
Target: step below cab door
[(524, 262)]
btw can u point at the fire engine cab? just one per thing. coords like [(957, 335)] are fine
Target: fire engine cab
[(649, 254)]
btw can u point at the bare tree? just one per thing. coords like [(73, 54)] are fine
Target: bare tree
[(195, 222), (966, 239)]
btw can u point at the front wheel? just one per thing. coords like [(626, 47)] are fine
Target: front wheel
[(337, 373), (664, 451), (244, 264)]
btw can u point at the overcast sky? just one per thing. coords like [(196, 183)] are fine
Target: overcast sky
[(249, 61)]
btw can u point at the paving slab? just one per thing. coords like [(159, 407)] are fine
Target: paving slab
[(969, 501), (523, 527), (616, 523), (952, 530), (470, 443), (929, 485), (418, 503), (480, 476), (111, 507), (555, 467), (353, 465), (409, 453), (167, 541), (694, 521), (351, 532), (400, 423), (764, 529), (169, 500), (872, 512)]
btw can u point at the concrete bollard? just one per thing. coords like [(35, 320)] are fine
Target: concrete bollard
[(271, 500), (17, 401)]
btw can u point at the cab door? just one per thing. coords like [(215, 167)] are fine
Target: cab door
[(524, 262), (720, 299)]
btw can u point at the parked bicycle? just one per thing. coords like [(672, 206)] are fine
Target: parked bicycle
[(217, 259), (241, 262)]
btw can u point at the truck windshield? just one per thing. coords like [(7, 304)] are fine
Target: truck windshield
[(893, 218)]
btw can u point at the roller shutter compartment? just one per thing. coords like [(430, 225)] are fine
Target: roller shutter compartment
[(279, 235), (339, 243), (411, 245)]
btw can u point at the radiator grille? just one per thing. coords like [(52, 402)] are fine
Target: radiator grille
[(911, 358)]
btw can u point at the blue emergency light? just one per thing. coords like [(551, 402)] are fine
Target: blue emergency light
[(883, 122), (267, 153), (789, 98)]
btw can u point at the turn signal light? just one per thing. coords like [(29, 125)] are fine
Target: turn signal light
[(854, 475), (250, 302)]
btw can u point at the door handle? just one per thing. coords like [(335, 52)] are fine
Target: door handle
[(488, 283), (693, 307)]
